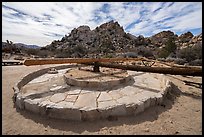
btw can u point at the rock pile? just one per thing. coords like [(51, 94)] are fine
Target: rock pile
[(107, 38), (110, 40)]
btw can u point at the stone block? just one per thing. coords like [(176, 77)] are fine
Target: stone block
[(130, 109), (128, 90), (65, 104), (104, 96), (58, 97), (159, 99), (84, 91), (105, 85), (71, 98), (115, 95), (119, 110), (94, 84), (87, 100), (153, 101), (16, 89), (31, 106), (20, 102), (90, 115), (139, 108), (128, 100), (74, 91), (64, 113), (55, 88), (104, 105), (147, 103), (84, 83)]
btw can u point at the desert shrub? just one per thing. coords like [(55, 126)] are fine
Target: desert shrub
[(197, 62), (191, 53), (163, 53), (197, 49), (32, 51), (145, 52), (169, 48), (161, 59), (80, 49), (130, 55), (179, 61), (108, 56), (170, 45), (60, 53), (44, 53), (185, 54), (172, 55), (170, 59)]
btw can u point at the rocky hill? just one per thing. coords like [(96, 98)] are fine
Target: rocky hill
[(11, 47), (107, 38), (110, 40)]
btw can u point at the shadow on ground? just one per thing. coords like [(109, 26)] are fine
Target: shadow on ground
[(190, 84), (150, 114)]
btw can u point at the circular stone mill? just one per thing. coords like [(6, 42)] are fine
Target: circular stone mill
[(81, 92)]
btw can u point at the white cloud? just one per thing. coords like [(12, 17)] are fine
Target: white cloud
[(47, 18), (177, 16)]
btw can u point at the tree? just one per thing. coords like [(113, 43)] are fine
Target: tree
[(170, 47), (163, 53)]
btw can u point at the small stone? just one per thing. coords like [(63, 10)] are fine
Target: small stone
[(87, 100), (71, 98), (104, 97), (56, 88), (146, 130), (58, 97), (74, 91), (52, 71)]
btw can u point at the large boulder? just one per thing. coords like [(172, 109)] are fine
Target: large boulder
[(162, 37), (186, 37)]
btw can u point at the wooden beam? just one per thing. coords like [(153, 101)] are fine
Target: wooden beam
[(29, 62), (189, 71), (174, 70)]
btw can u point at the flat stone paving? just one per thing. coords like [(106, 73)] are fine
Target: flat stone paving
[(62, 101)]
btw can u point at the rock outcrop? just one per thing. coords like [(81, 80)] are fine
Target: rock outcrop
[(161, 38), (107, 38), (188, 40), (186, 37)]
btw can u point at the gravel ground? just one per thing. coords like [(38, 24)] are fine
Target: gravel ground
[(180, 113)]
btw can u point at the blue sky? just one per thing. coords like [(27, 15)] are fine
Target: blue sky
[(42, 22)]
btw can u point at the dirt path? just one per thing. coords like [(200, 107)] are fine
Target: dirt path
[(183, 115)]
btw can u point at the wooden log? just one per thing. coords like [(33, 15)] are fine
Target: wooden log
[(29, 62), (193, 71), (174, 70)]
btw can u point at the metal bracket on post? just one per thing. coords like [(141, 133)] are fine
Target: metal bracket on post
[(96, 67)]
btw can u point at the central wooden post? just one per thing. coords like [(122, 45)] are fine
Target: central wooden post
[(96, 67)]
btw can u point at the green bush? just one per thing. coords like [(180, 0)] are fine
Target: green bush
[(190, 53), (163, 53), (179, 61), (168, 49), (170, 45), (197, 62)]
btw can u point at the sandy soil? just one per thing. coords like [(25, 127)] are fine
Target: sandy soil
[(181, 113)]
